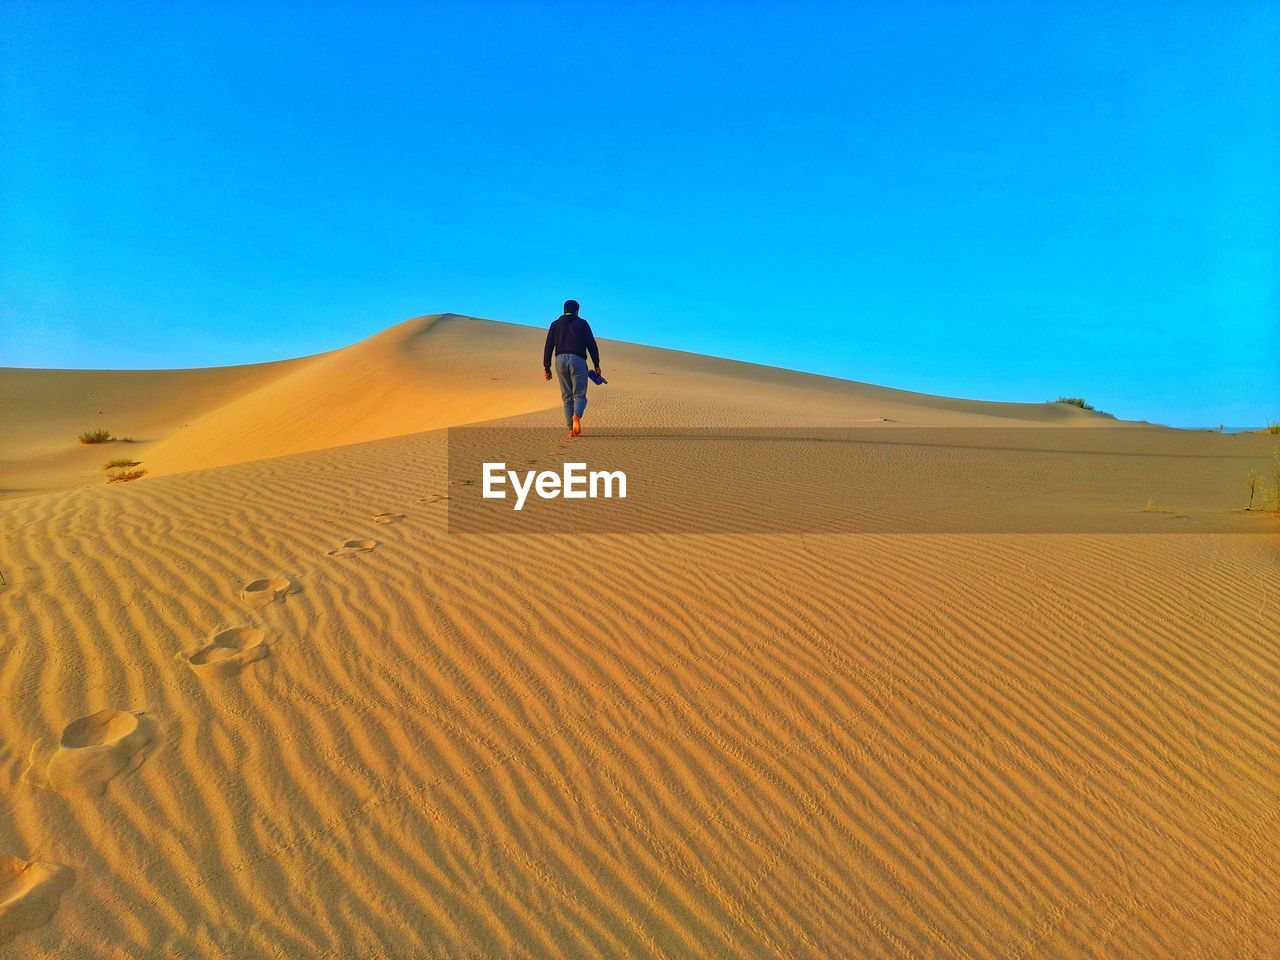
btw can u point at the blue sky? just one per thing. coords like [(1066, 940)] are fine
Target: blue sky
[(999, 200)]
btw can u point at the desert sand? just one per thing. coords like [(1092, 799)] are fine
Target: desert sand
[(262, 703)]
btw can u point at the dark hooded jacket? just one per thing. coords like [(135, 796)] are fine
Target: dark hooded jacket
[(569, 333)]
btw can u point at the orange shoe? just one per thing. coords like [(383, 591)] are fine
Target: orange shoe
[(577, 427)]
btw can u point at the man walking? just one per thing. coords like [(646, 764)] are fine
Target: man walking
[(571, 339)]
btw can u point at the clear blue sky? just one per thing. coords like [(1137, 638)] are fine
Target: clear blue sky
[(997, 200)]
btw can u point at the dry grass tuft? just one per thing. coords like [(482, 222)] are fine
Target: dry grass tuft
[(124, 476)]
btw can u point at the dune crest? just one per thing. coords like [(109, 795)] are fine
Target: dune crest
[(415, 376)]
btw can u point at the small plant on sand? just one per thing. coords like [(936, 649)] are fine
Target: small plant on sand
[(124, 476), (1076, 402), (1273, 426), (96, 436), (118, 462)]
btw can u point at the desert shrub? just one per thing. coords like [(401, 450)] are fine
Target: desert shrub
[(1076, 402), (1273, 426), (118, 462), (124, 476), (96, 436)]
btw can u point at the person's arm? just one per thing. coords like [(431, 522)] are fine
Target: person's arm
[(591, 346), (546, 350)]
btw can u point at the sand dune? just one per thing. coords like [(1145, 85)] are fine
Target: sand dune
[(44, 411), (262, 703), (429, 372)]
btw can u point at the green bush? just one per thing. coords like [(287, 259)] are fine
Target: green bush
[(96, 436)]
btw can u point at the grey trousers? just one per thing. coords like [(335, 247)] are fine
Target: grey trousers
[(571, 371)]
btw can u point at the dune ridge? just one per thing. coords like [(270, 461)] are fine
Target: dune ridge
[(659, 745)]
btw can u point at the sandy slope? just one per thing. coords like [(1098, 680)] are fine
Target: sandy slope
[(406, 743)]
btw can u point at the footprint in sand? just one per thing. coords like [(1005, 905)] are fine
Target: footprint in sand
[(264, 591), (90, 752), (388, 518), (433, 498), (352, 546), (29, 892), (227, 652)]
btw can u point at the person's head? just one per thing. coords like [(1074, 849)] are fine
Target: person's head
[(571, 307)]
